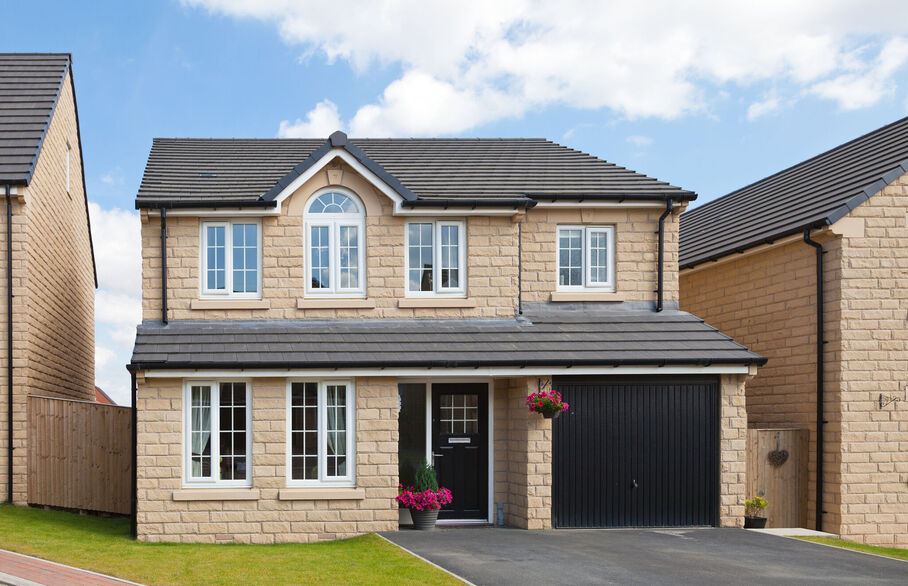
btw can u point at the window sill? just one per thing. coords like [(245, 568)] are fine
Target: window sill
[(412, 302), (216, 494), (586, 296), (321, 494), (332, 303), (229, 304)]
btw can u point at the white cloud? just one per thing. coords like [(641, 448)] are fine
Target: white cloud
[(102, 355), (639, 140), (320, 122), (464, 64), (116, 235), (108, 178), (769, 104)]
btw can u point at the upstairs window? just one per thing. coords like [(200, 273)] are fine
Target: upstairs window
[(436, 258), (586, 258), (231, 258), (335, 247), (217, 439)]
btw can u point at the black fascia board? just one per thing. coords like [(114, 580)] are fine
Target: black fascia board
[(682, 195), (516, 363), (463, 202), (207, 204), (763, 240)]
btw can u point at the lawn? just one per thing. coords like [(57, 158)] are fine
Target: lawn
[(103, 545), (892, 552)]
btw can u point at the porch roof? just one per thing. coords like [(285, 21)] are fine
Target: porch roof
[(541, 337)]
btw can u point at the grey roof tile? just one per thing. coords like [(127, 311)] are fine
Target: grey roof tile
[(545, 337), (250, 170), (30, 85), (818, 191)]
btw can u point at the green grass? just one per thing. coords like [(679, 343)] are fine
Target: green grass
[(891, 552), (103, 545)]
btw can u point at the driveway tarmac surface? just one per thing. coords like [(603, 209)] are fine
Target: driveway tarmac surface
[(486, 555)]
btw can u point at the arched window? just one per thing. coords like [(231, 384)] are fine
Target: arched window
[(335, 247)]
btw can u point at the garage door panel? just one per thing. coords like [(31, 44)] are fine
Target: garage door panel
[(636, 453)]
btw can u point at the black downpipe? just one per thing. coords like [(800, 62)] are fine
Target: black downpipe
[(9, 346), (164, 266), (668, 210), (520, 268), (134, 504), (819, 497)]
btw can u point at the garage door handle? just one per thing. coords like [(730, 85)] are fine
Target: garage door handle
[(634, 483)]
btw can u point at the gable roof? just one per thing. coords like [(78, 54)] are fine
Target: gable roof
[(30, 85), (440, 171), (817, 192), (102, 397), (545, 336)]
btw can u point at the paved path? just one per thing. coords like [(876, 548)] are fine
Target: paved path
[(22, 570), (643, 556)]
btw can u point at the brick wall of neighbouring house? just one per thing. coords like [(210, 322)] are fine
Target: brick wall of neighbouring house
[(53, 285), (767, 302), (874, 354), (267, 519), (491, 263), (636, 250)]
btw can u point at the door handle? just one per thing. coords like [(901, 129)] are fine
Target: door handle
[(434, 455), (634, 483)]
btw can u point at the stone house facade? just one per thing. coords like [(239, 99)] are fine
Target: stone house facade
[(765, 295), (321, 316), (51, 280)]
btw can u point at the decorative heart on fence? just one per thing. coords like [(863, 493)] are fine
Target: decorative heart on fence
[(778, 456)]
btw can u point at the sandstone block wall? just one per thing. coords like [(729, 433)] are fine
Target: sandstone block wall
[(266, 518)]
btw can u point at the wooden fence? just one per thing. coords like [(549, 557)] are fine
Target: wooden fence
[(777, 471), (79, 455)]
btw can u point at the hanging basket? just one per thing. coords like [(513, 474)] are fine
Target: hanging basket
[(552, 414)]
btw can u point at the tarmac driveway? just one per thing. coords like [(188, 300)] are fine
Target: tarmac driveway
[(642, 556)]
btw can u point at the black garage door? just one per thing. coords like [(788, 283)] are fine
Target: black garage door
[(636, 453)]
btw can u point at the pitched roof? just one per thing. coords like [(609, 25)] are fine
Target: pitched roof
[(547, 337), (30, 85), (817, 192), (209, 171), (102, 397)]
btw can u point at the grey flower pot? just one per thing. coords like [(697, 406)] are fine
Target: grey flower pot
[(424, 520)]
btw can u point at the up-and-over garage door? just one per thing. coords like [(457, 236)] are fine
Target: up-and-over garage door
[(636, 453)]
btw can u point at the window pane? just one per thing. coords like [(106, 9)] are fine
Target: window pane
[(215, 255), (245, 258), (333, 203), (450, 257), (598, 255), (200, 432), (349, 256), (319, 254), (232, 425), (419, 241), (336, 430), (304, 431), (570, 257)]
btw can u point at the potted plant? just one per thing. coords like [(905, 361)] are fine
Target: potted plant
[(549, 403), (753, 509), (424, 499)]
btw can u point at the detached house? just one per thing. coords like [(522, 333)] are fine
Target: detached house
[(809, 267), (47, 287), (322, 315)]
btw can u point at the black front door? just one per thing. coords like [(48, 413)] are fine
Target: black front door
[(460, 426)]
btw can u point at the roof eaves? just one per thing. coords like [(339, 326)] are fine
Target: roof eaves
[(473, 203), (770, 239), (868, 192), (676, 194), (207, 203)]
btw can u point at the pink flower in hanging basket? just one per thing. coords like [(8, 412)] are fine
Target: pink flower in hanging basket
[(546, 402)]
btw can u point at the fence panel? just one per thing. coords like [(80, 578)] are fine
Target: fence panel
[(79, 455), (777, 470)]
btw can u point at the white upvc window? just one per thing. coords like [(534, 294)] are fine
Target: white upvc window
[(335, 245), (217, 437), (231, 261), (586, 258), (436, 253), (320, 437)]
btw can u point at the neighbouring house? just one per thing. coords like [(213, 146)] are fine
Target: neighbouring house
[(102, 397), (749, 265), (47, 287), (321, 316)]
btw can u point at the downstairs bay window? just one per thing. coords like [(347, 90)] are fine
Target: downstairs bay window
[(217, 438), (320, 433)]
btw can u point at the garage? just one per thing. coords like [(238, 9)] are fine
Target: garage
[(636, 453)]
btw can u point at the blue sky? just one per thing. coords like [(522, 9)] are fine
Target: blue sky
[(709, 96)]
